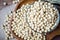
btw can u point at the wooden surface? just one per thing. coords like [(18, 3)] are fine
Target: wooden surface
[(49, 36), (54, 33)]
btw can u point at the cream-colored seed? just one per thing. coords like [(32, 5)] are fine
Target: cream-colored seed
[(11, 36), (4, 3)]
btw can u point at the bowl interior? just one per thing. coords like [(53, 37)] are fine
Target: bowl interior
[(24, 2), (30, 2), (18, 7)]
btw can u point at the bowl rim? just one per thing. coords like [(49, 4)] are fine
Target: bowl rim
[(56, 23)]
